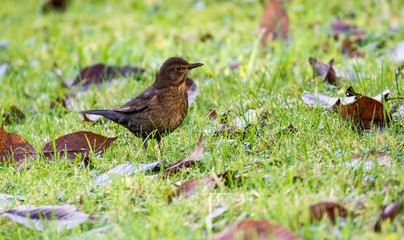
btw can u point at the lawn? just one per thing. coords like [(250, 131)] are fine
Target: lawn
[(284, 172)]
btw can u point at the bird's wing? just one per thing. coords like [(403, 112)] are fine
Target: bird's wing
[(139, 103)]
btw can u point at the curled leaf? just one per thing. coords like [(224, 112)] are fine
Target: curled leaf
[(330, 209), (389, 213), (128, 169), (188, 161), (326, 71), (14, 147), (274, 22), (61, 217), (188, 188), (77, 144), (255, 229)]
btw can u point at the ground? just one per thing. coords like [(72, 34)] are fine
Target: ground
[(295, 170)]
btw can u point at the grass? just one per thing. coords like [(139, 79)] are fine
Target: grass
[(270, 80)]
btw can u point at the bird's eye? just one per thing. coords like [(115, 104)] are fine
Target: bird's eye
[(178, 68)]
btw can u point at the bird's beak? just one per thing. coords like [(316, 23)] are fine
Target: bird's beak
[(194, 65)]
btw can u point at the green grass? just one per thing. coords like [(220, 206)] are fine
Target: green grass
[(270, 80)]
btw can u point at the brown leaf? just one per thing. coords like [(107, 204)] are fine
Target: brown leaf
[(212, 114), (188, 161), (78, 143), (55, 5), (255, 229), (331, 209), (365, 111), (62, 217), (350, 49), (14, 147), (274, 22), (98, 73), (341, 27), (325, 71), (192, 90), (190, 187), (389, 213)]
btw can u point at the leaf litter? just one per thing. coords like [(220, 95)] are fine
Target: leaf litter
[(128, 169), (255, 229), (42, 217)]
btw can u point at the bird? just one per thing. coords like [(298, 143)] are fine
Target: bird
[(160, 108)]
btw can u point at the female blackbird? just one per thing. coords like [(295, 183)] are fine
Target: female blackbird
[(160, 108)]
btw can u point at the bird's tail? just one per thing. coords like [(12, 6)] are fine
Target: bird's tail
[(103, 112)]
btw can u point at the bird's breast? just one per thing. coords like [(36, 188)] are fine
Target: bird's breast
[(173, 104)]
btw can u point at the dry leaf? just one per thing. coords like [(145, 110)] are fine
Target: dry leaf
[(331, 209), (389, 212), (128, 169), (14, 147), (77, 144), (341, 27), (325, 71), (365, 111), (274, 22), (190, 187), (61, 217), (255, 229), (324, 100), (188, 161)]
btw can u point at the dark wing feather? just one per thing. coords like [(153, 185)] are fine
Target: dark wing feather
[(139, 103)]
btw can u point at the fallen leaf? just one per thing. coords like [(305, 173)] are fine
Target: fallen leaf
[(350, 49), (188, 161), (389, 213), (7, 200), (274, 22), (128, 169), (98, 73), (190, 187), (60, 217), (216, 213), (331, 209), (77, 144), (365, 111), (324, 100), (91, 118), (192, 90), (382, 158), (14, 147), (255, 229), (342, 27), (55, 5), (325, 71)]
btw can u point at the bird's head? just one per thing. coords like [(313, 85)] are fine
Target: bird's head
[(174, 72)]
